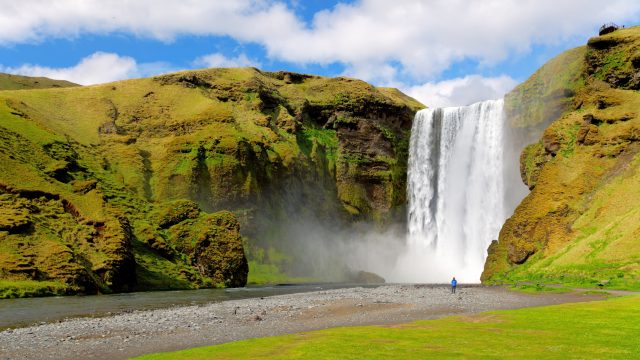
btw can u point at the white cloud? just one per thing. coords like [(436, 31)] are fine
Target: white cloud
[(33, 20), (384, 42), (425, 38), (410, 38), (97, 68), (461, 91), (219, 60)]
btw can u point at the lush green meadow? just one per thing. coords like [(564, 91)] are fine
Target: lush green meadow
[(607, 329)]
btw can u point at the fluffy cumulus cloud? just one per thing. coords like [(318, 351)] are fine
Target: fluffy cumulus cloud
[(386, 42), (219, 60), (97, 68), (461, 91), (246, 20), (421, 38)]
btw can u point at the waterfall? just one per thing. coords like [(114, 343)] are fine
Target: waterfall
[(455, 190)]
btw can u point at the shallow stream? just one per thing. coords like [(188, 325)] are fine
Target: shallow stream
[(24, 312)]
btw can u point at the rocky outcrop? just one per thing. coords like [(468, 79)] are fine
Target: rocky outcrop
[(365, 277), (213, 245), (579, 225), (614, 59), (216, 249)]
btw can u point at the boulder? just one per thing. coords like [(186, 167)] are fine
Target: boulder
[(365, 277)]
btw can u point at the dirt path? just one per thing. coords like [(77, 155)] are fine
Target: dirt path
[(125, 335)]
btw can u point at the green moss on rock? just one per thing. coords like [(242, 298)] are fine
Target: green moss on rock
[(532, 159), (177, 211)]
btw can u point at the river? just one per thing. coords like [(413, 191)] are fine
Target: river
[(28, 311)]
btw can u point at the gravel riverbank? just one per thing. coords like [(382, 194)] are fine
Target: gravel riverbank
[(139, 332)]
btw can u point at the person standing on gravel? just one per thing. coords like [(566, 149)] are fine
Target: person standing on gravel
[(454, 283)]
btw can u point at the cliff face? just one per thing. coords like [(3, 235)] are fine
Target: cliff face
[(129, 185), (581, 221)]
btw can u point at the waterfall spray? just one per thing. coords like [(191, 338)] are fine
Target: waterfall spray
[(455, 190)]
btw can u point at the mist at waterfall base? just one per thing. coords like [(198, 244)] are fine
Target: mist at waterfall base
[(463, 182), (340, 254)]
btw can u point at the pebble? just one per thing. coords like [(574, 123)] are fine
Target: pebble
[(120, 336)]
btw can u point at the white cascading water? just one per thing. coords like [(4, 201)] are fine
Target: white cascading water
[(455, 190)]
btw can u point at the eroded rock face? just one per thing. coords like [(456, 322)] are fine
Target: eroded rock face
[(350, 145), (611, 58), (116, 241), (86, 256)]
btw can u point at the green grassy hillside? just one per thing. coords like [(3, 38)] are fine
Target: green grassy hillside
[(17, 82), (581, 222), (126, 185)]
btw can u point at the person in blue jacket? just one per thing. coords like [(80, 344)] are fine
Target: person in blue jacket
[(454, 283)]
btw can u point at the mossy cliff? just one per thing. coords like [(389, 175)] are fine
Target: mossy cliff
[(580, 224), (149, 183)]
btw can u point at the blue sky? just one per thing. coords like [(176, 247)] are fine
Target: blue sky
[(443, 52)]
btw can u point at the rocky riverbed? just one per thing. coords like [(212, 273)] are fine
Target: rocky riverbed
[(134, 333)]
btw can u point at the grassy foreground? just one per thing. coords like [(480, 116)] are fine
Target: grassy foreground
[(601, 329)]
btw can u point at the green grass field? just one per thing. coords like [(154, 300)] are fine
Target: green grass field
[(539, 288), (607, 329)]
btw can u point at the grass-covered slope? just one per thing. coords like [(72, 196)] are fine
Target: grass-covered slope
[(547, 93), (124, 185), (17, 82), (581, 222), (600, 329)]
